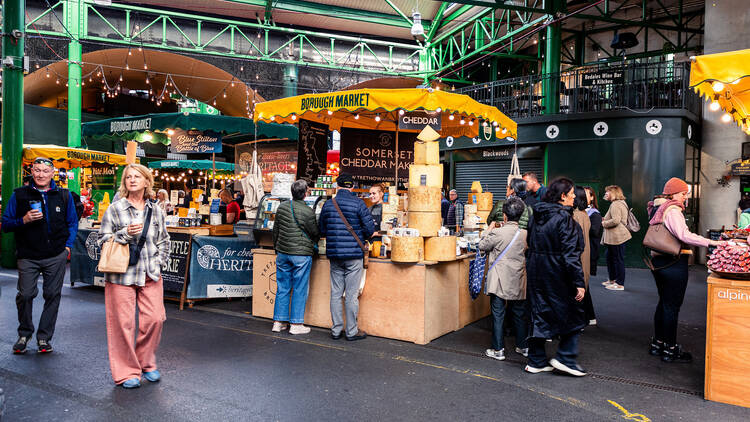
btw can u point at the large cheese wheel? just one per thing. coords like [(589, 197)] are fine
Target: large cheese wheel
[(482, 200), (426, 153), (424, 198), (407, 249), (440, 248), (428, 222), (470, 209), (433, 175)]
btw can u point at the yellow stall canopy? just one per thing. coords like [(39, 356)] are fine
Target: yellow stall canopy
[(723, 80), (68, 158), (378, 108)]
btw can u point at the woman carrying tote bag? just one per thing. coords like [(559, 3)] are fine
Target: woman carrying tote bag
[(670, 272), (137, 221)]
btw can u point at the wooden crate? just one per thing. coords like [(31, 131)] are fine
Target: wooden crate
[(728, 341)]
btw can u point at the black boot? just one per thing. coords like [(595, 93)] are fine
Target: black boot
[(674, 353), (656, 348)]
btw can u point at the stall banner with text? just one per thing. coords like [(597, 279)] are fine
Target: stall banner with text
[(271, 161), (417, 120), (312, 150), (220, 267), (195, 141), (174, 271), (370, 155), (85, 257)]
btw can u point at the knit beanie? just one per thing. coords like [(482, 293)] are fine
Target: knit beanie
[(675, 185)]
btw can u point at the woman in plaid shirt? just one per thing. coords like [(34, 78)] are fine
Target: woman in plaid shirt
[(141, 283)]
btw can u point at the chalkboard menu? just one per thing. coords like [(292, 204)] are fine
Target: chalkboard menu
[(311, 150), (370, 155), (174, 271)]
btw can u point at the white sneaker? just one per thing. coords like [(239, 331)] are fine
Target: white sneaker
[(576, 372), (495, 354), (534, 370), (523, 352), (607, 283), (592, 322), (279, 326), (299, 329), (615, 286)]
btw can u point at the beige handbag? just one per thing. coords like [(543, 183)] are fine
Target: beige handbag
[(114, 258)]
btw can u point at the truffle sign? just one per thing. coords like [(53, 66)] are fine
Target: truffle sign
[(195, 141)]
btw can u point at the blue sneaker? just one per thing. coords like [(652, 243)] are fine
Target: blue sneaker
[(152, 376), (131, 383)]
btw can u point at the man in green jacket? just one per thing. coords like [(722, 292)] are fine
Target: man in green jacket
[(517, 188), (295, 238)]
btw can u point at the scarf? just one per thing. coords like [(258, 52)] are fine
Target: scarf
[(659, 215), (591, 210)]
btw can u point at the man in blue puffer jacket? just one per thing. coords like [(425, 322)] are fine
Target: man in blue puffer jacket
[(345, 255)]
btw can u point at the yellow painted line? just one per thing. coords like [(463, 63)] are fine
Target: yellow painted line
[(627, 415)]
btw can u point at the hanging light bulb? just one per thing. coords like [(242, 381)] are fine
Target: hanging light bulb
[(224, 94), (232, 83), (717, 86), (145, 66), (505, 130), (127, 66), (462, 121), (471, 122), (356, 117), (726, 118), (401, 112), (439, 110), (120, 77), (48, 72), (377, 117), (294, 117), (190, 171), (714, 106), (451, 117), (330, 112)]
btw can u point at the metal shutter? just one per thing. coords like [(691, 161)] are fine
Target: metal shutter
[(492, 174)]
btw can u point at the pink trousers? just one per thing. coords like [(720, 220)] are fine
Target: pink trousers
[(128, 358)]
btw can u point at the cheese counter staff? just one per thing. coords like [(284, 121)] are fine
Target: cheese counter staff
[(230, 209)]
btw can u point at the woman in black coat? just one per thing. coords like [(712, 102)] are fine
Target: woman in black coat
[(595, 240), (555, 284)]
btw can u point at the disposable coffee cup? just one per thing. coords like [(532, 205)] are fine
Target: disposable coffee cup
[(137, 220), (36, 205)]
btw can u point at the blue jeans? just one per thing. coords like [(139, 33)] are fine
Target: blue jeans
[(292, 273), (518, 310), (567, 350)]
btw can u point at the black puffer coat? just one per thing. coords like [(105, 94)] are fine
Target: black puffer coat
[(287, 234), (553, 271)]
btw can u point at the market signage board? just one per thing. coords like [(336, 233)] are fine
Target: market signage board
[(603, 77), (174, 271), (221, 267), (130, 125), (417, 120), (312, 149), (195, 141), (370, 155)]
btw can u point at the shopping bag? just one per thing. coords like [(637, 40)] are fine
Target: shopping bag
[(476, 274), (114, 257)]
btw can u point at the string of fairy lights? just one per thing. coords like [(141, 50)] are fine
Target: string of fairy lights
[(199, 177)]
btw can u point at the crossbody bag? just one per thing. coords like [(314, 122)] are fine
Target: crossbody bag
[(362, 245), (502, 254)]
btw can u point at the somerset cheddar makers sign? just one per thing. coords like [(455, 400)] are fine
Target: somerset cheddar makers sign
[(370, 155)]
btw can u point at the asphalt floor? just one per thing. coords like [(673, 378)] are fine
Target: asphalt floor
[(220, 363)]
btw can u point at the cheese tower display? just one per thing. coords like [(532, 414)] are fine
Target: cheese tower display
[(407, 249), (425, 181), (440, 248)]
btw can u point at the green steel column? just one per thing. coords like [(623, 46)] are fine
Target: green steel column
[(12, 124), (425, 64), (290, 80), (552, 62), (73, 14)]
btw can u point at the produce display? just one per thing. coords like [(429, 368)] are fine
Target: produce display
[(739, 234), (730, 258)]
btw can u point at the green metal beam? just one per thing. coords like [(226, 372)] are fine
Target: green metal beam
[(73, 17), (645, 54), (632, 23), (268, 16), (400, 13), (499, 5), (301, 6), (12, 112), (437, 20)]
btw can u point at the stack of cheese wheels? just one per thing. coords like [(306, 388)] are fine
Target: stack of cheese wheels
[(407, 249), (425, 180), (483, 202)]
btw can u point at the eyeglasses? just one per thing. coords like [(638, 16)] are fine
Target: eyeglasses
[(45, 161)]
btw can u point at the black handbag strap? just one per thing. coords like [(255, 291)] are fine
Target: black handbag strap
[(362, 246), (144, 233)]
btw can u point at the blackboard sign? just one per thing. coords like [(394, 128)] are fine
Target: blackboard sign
[(312, 149), (195, 141), (603, 77), (174, 271), (370, 155), (417, 120)]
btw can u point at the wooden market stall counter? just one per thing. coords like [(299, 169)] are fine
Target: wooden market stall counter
[(728, 341), (411, 302)]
